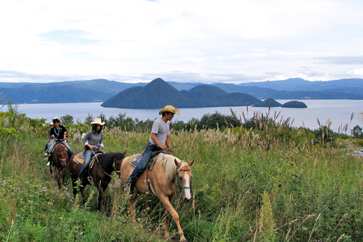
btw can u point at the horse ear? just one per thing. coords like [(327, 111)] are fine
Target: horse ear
[(191, 163), (177, 163), (113, 154), (124, 152)]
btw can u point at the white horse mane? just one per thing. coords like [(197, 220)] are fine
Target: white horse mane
[(169, 164)]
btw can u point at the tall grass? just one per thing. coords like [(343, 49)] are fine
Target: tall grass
[(264, 184)]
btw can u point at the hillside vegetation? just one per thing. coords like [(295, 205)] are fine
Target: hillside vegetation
[(256, 180), (154, 94)]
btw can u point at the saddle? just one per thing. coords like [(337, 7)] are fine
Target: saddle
[(58, 141), (79, 158), (135, 160)]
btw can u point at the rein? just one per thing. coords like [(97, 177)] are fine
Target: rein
[(113, 165)]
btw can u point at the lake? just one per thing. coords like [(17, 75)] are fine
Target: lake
[(338, 111)]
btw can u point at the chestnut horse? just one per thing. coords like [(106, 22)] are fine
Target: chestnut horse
[(59, 159), (100, 172), (167, 175)]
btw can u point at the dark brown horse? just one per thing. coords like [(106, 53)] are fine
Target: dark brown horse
[(59, 160), (100, 172)]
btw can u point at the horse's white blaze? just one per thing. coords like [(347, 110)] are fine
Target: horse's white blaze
[(187, 184)]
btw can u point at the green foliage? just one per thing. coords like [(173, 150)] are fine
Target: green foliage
[(88, 119), (67, 119), (265, 183), (357, 132)]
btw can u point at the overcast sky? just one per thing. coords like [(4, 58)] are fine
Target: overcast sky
[(206, 41)]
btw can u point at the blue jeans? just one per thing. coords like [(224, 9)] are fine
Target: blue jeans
[(141, 166), (87, 159), (53, 143)]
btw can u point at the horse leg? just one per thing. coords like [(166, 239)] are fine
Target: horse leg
[(58, 176), (166, 202), (166, 230), (63, 176), (131, 202), (101, 197)]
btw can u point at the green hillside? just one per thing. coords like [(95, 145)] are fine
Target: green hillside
[(267, 103), (294, 104), (158, 93)]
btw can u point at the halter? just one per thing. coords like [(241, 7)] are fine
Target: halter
[(176, 178)]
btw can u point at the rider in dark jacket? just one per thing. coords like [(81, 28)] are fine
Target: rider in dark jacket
[(58, 132)]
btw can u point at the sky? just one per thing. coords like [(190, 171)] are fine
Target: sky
[(232, 41)]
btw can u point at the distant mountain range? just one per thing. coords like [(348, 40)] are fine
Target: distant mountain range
[(100, 90), (158, 93)]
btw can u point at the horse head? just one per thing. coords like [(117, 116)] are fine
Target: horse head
[(62, 155), (117, 161), (184, 179)]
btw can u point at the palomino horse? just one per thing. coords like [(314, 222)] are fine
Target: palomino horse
[(60, 159), (100, 172), (167, 175)]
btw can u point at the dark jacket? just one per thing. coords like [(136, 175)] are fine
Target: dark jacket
[(58, 134)]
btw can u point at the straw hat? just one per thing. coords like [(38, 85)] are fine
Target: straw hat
[(56, 118), (97, 121), (169, 108)]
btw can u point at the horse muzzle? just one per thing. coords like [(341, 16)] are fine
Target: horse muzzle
[(186, 199)]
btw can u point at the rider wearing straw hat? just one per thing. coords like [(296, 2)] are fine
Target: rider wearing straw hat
[(93, 140), (159, 139), (58, 132)]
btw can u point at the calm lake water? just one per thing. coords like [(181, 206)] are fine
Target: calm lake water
[(338, 111)]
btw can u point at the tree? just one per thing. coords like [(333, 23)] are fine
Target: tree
[(88, 119), (67, 119), (357, 132)]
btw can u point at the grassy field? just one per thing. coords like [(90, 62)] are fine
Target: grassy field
[(248, 185)]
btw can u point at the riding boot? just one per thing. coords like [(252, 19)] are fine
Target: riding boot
[(130, 185)]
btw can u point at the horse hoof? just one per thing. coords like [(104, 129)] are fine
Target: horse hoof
[(183, 239)]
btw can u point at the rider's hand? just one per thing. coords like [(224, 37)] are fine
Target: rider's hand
[(102, 147), (52, 136), (162, 146)]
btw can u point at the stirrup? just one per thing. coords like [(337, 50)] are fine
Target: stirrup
[(90, 180)]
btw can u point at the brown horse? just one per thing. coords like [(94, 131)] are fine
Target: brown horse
[(59, 160), (100, 172), (167, 175)]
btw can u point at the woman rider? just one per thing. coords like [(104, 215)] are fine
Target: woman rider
[(93, 140), (58, 132)]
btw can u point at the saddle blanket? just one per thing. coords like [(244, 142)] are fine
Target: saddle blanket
[(136, 159), (79, 159)]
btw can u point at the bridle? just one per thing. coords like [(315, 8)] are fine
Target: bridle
[(113, 165), (176, 177)]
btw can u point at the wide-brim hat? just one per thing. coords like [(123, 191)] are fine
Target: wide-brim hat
[(97, 121), (169, 108), (56, 118)]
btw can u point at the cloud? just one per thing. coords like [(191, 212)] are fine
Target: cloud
[(185, 40), (342, 60), (69, 37)]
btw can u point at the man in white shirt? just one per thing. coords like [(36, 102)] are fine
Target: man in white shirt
[(159, 140)]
